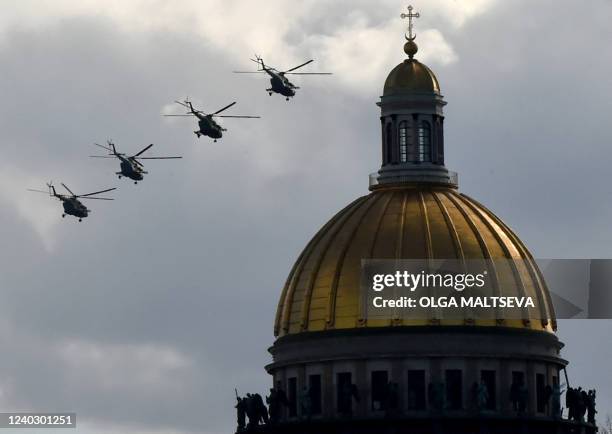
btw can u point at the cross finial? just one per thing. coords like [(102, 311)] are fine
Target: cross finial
[(410, 16)]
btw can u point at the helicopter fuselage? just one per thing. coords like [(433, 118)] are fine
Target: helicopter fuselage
[(208, 127), (280, 84), (74, 207), (130, 169)]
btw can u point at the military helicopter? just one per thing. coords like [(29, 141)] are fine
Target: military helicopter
[(131, 167), (71, 203), (208, 126), (280, 83)]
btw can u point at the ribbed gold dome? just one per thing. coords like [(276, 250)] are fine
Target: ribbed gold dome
[(411, 76), (410, 222)]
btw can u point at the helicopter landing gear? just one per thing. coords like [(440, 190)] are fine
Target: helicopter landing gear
[(63, 215), (270, 93), (135, 182), (197, 133), (287, 99), (80, 220), (215, 141), (119, 176)]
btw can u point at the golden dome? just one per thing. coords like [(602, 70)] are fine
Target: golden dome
[(411, 76), (322, 291)]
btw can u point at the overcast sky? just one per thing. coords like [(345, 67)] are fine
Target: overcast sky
[(145, 316)]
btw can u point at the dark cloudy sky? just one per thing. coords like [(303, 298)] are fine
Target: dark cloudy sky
[(143, 318)]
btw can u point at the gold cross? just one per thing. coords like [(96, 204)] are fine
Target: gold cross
[(410, 16)]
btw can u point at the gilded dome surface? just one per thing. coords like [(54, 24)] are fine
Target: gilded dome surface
[(411, 76), (322, 291)]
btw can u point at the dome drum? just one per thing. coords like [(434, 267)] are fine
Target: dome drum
[(416, 360)]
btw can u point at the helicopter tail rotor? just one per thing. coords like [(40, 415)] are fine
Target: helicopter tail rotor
[(112, 145), (189, 105), (51, 189), (259, 62)]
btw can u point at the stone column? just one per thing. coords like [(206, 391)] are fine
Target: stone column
[(472, 375), (327, 385), (441, 141), (530, 382), (362, 383), (434, 139), (302, 382), (397, 376), (383, 128), (415, 136), (394, 141), (505, 378)]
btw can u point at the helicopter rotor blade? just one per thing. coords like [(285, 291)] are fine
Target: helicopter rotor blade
[(97, 198), (190, 114), (224, 108), (157, 158), (299, 66), (101, 156), (97, 192), (249, 72), (144, 150), (182, 103), (234, 116), (103, 147), (38, 191), (309, 73), (69, 191)]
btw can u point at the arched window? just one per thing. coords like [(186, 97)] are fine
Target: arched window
[(424, 141), (389, 143), (403, 141)]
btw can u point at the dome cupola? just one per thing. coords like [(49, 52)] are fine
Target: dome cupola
[(412, 123)]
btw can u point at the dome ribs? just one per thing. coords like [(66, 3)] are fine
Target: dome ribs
[(458, 249), (495, 231), (314, 275), (397, 319), (426, 228), (399, 254), (330, 315), (492, 269), (378, 225), (452, 230), (414, 240), (286, 302), (362, 318), (534, 271), (428, 244)]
